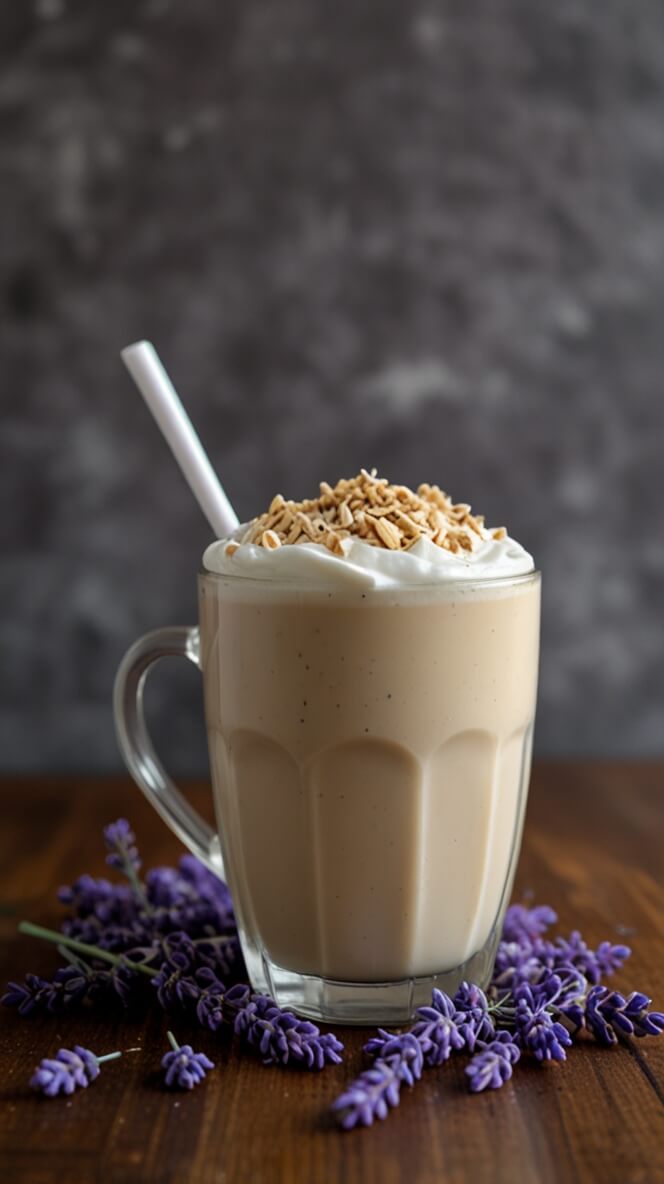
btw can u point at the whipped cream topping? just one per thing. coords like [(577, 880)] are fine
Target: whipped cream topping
[(364, 531), (361, 564)]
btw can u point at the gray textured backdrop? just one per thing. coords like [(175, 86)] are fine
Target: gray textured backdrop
[(423, 236)]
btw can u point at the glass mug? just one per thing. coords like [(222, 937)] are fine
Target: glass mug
[(370, 757)]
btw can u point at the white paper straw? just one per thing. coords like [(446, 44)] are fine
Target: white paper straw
[(147, 371)]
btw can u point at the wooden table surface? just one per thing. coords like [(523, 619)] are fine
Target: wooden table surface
[(593, 849)]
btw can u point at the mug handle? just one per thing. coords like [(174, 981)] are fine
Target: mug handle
[(181, 641)]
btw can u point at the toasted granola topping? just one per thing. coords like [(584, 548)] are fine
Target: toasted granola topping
[(368, 507)]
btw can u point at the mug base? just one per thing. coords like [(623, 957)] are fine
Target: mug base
[(392, 1003)]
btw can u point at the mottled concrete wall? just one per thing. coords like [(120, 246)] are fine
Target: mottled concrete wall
[(418, 235)]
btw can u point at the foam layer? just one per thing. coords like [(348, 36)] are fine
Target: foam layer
[(369, 566)]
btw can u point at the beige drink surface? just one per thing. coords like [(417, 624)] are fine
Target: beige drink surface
[(370, 758)]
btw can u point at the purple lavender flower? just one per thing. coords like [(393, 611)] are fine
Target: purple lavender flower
[(522, 923), (556, 988), (210, 1011), (221, 953), (38, 994), (184, 1067), (125, 983), (375, 1045), (176, 988), (215, 1004), (120, 916), (237, 997), (491, 1067), (93, 932), (472, 1015), (179, 942), (119, 983), (375, 1091), (68, 1071), (281, 1038), (524, 956), (573, 1014), (184, 923), (163, 886), (70, 985), (190, 898), (537, 1030), (207, 886), (564, 993), (519, 962), (596, 1022), (121, 844), (29, 996), (634, 1010), (539, 994), (437, 1030), (610, 1015), (176, 980), (594, 964), (107, 903), (610, 957)]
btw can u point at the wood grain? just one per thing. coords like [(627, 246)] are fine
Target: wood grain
[(592, 848)]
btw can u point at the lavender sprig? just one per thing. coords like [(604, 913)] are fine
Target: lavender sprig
[(68, 1070), (121, 845), (184, 1067), (437, 1029), (378, 1089), (39, 994), (594, 964), (281, 1038), (123, 854), (491, 1066), (536, 1028), (610, 1016), (524, 956)]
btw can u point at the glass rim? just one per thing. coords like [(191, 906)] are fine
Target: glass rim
[(320, 586)]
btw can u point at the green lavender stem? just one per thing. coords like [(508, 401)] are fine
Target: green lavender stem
[(173, 1042), (137, 886), (82, 947), (109, 1056), (70, 956)]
